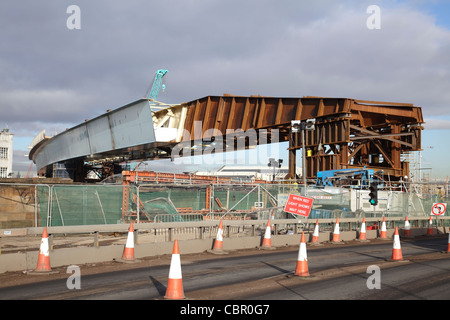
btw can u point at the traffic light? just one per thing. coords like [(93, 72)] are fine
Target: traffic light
[(373, 194), (310, 124), (295, 125)]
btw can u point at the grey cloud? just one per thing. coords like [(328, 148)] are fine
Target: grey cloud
[(436, 124), (50, 75)]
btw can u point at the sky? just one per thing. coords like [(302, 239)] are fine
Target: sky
[(59, 67)]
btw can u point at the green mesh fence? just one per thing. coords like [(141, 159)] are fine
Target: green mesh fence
[(80, 205), (177, 196), (63, 205)]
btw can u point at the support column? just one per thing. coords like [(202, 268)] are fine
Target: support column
[(208, 199), (292, 157), (395, 148)]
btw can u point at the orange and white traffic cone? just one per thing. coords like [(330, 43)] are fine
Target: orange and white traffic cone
[(383, 232), (397, 249), (362, 232), (430, 227), (407, 228), (267, 241), (128, 252), (315, 237), (336, 233), (218, 242), (175, 283), (43, 264), (302, 260)]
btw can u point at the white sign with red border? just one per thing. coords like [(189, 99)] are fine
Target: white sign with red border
[(298, 205), (438, 209)]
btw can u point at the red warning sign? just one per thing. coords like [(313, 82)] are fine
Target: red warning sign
[(299, 205), (438, 209)]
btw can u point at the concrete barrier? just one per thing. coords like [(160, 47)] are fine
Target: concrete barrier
[(27, 260), (21, 261)]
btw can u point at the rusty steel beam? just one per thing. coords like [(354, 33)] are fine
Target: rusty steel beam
[(376, 134), (348, 132), (228, 112)]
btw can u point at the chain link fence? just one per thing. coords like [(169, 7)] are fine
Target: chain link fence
[(89, 204)]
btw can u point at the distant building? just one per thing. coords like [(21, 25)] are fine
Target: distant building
[(6, 153), (250, 173)]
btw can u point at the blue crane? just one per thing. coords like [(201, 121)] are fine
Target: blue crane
[(157, 84)]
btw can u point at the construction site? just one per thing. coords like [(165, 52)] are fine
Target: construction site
[(213, 152), (357, 183), (349, 148)]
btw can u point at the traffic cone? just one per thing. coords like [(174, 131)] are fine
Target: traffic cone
[(175, 284), (302, 260), (128, 252), (407, 229), (336, 233), (43, 264), (362, 233), (383, 232), (218, 242), (315, 238), (267, 242), (397, 250), (430, 227)]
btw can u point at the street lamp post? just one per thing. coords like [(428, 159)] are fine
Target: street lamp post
[(275, 164), (296, 126)]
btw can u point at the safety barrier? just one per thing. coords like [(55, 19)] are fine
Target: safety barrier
[(23, 205), (235, 228), (241, 234)]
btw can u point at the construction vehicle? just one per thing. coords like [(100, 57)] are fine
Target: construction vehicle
[(157, 84), (153, 91), (336, 177)]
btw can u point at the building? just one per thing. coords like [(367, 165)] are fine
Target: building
[(6, 153), (251, 173)]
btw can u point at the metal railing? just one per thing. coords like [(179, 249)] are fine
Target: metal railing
[(168, 231), (65, 205)]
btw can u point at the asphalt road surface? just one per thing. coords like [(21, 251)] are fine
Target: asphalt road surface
[(351, 271)]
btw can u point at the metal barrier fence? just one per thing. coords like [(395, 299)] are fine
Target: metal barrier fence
[(168, 231), (93, 204)]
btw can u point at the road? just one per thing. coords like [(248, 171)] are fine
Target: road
[(338, 272)]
